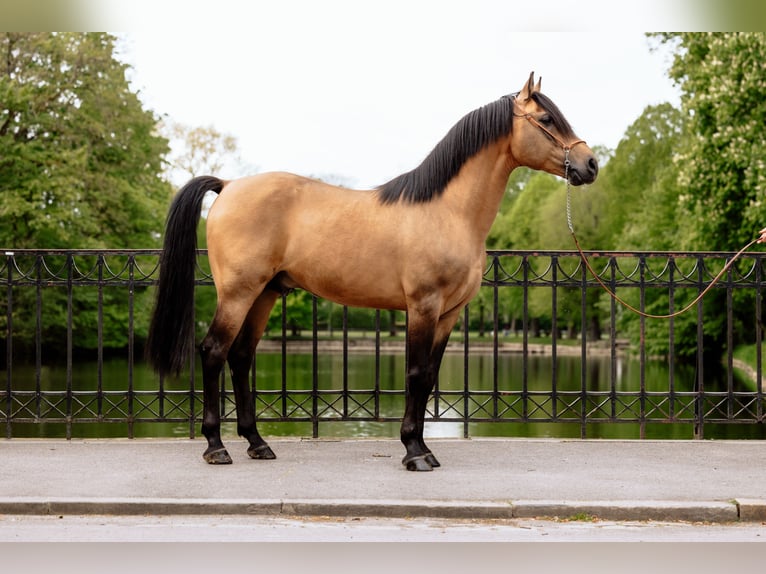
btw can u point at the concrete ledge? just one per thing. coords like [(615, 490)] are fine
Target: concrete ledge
[(700, 511), (138, 506), (693, 511), (751, 510), (400, 508)]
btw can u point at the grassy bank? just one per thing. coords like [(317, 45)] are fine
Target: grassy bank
[(746, 362)]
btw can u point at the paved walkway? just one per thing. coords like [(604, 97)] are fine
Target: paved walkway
[(715, 481)]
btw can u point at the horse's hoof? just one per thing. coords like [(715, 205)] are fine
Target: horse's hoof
[(417, 463), (262, 452), (217, 456), (431, 459)]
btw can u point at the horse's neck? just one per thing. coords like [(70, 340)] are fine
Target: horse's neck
[(477, 191)]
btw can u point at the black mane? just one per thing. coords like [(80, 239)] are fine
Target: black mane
[(469, 136)]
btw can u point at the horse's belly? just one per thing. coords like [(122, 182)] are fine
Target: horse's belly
[(355, 288)]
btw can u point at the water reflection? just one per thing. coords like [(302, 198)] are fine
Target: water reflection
[(517, 387)]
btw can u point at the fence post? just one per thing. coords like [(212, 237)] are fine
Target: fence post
[(9, 346)]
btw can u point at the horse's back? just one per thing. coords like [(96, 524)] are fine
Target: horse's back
[(260, 220)]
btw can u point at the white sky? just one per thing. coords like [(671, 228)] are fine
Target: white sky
[(362, 91)]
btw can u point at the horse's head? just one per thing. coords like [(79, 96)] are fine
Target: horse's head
[(543, 139)]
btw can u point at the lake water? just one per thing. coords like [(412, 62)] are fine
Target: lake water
[(360, 378)]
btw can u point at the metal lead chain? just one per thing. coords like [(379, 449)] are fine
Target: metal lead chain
[(569, 190), (612, 293)]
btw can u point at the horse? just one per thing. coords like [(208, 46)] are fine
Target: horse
[(416, 243)]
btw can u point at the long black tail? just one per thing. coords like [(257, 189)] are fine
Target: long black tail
[(170, 343)]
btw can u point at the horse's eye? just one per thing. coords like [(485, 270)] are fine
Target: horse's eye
[(546, 120)]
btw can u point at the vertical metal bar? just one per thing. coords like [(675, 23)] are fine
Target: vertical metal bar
[(314, 369), (495, 329), (345, 361), (642, 349), (613, 340), (758, 340), (9, 260), (38, 335), (466, 384), (284, 357), (100, 339), (193, 378), (192, 386), (377, 364), (554, 337), (583, 354), (729, 347), (699, 411), (525, 337), (131, 388), (435, 399), (253, 384), (672, 341), (69, 313)]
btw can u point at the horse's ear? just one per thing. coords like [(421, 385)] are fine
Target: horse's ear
[(538, 84), (528, 88)]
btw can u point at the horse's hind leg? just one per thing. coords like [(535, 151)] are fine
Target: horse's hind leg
[(214, 349), (240, 362)]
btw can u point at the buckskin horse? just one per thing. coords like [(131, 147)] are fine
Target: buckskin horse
[(416, 243)]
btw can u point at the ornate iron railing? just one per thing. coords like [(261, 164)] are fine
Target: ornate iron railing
[(100, 299)]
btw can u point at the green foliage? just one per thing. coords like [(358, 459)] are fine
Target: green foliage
[(639, 183), (721, 168), (80, 167), (721, 165), (80, 163)]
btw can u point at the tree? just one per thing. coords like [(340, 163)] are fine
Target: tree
[(638, 199), (80, 167), (80, 160), (638, 184), (201, 150), (720, 166)]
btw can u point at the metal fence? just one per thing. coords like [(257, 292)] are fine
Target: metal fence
[(537, 327)]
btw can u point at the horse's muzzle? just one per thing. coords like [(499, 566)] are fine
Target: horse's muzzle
[(585, 172)]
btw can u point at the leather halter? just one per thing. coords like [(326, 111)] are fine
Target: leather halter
[(566, 147)]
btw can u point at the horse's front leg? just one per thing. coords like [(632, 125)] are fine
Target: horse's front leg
[(428, 350), (418, 386), (434, 363)]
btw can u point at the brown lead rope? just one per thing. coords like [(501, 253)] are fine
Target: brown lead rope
[(567, 148), (624, 303)]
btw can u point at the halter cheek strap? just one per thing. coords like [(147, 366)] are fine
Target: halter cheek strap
[(566, 147)]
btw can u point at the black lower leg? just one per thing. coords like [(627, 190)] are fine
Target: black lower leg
[(246, 424), (421, 378), (212, 362), (417, 391), (246, 428)]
